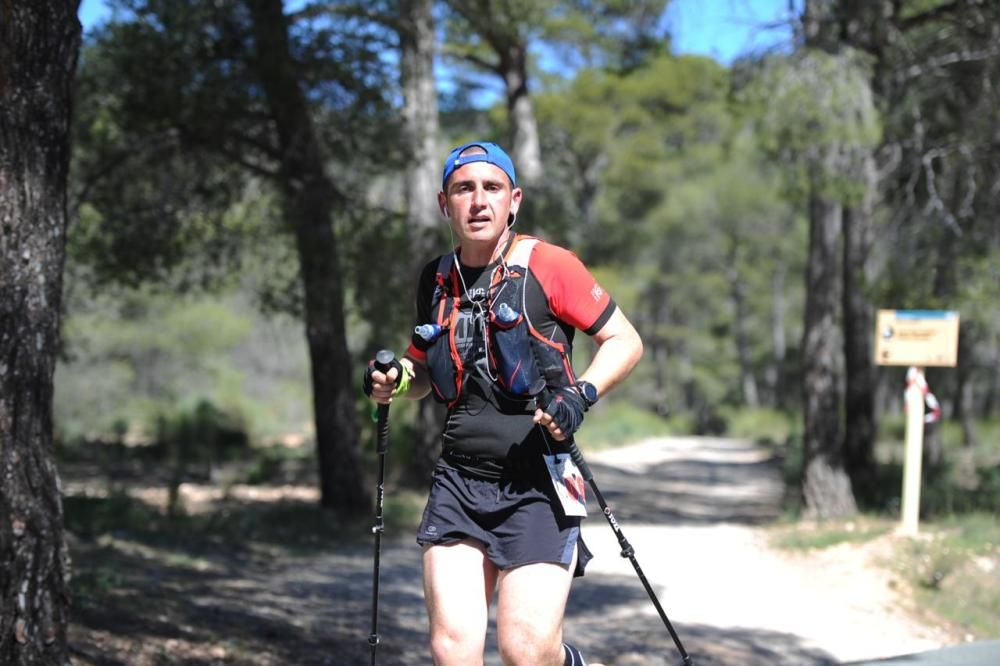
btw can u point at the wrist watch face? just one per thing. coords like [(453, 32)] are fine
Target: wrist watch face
[(588, 391)]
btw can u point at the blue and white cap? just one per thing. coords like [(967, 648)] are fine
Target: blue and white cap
[(492, 154)]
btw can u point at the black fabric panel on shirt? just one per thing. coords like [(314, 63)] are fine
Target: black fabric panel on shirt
[(603, 318)]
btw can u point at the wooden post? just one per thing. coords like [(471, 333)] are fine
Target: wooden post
[(914, 450)]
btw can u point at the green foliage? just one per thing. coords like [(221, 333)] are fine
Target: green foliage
[(134, 357), (762, 425), (817, 117), (967, 481), (611, 33), (676, 180), (173, 134)]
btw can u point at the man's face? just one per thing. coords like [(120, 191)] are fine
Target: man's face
[(479, 199)]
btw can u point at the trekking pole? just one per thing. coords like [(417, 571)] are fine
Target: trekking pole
[(627, 550), (384, 361)]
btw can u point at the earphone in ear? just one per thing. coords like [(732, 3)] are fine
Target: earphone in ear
[(444, 211)]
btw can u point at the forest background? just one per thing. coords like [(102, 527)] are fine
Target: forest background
[(252, 191)]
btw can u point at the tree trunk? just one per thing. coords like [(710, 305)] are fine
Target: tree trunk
[(776, 374), (826, 487), (864, 24), (423, 177), (860, 426), (39, 43), (748, 384), (420, 112), (525, 144), (964, 411), (656, 300), (308, 200)]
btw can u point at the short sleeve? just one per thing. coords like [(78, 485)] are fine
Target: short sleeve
[(574, 295)]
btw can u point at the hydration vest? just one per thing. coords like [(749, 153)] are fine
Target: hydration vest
[(521, 360)]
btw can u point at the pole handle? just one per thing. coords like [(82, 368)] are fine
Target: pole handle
[(384, 361)]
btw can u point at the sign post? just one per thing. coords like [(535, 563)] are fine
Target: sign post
[(917, 338), (914, 451)]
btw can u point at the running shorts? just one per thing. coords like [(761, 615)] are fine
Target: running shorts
[(519, 521)]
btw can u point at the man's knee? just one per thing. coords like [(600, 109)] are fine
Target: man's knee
[(456, 647), (526, 646)]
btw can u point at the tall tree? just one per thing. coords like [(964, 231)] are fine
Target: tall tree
[(820, 120), (418, 42), (862, 25), (39, 43), (418, 45), (308, 196), (825, 484)]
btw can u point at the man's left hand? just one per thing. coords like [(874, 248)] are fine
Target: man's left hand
[(563, 415)]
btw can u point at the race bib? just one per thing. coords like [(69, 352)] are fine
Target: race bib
[(569, 484)]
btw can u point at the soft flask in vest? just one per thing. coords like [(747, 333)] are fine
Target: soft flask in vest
[(511, 352)]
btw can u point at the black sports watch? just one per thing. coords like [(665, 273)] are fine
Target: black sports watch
[(588, 392)]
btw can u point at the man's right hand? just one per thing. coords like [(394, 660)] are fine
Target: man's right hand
[(379, 385)]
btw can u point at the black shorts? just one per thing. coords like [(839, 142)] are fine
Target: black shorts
[(515, 520)]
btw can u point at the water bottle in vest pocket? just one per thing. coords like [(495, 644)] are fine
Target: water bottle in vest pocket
[(510, 351)]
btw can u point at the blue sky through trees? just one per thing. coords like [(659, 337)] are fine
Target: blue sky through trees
[(722, 29)]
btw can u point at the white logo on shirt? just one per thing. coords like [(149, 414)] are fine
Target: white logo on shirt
[(597, 292)]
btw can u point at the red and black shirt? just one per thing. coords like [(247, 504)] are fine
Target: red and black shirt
[(486, 426)]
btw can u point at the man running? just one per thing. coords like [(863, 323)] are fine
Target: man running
[(496, 318)]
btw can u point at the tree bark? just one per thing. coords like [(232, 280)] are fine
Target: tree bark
[(860, 426), (527, 151), (420, 113), (826, 487), (423, 177), (748, 384), (964, 411), (308, 201), (864, 24), (39, 43), (656, 300), (776, 374)]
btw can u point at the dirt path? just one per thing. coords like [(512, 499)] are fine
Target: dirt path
[(693, 508)]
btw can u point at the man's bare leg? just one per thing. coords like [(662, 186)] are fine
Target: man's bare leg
[(530, 613), (458, 615)]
